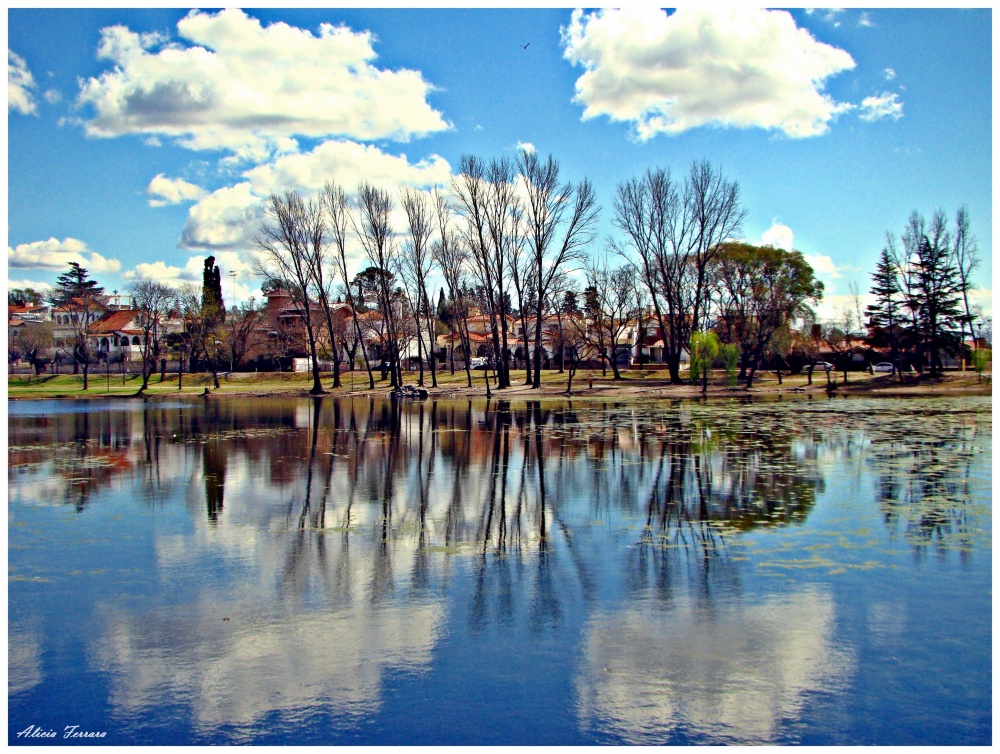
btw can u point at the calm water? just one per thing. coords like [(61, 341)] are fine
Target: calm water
[(359, 572)]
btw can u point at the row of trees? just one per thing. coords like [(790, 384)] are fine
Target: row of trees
[(507, 242)]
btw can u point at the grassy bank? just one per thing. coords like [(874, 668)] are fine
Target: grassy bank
[(586, 383)]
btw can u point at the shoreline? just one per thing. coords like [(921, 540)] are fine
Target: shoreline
[(585, 387)]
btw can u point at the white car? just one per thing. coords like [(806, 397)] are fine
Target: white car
[(479, 362), (826, 366), (884, 366)]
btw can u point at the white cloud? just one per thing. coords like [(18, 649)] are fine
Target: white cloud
[(172, 191), (52, 96), (225, 219), (350, 163), (191, 272), (230, 217), (56, 255), (779, 236), (829, 15), (823, 266), (736, 67), (885, 105), (216, 92), (20, 82), (40, 287), (526, 146), (866, 20), (889, 74)]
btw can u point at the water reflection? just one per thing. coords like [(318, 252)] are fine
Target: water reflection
[(328, 546), (720, 673)]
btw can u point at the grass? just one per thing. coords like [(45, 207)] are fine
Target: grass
[(589, 381)]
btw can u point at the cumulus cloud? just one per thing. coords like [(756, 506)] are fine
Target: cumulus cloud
[(889, 74), (211, 91), (351, 163), (225, 219), (23, 283), (779, 236), (230, 218), (824, 266), (885, 105), (53, 96), (735, 67), (191, 272), (172, 191), (20, 82), (526, 146), (56, 255)]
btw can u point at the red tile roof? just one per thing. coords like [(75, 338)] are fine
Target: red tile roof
[(114, 321)]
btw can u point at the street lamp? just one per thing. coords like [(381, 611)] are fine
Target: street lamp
[(233, 276)]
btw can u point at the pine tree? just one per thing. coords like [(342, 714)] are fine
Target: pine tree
[(937, 300), (883, 315), (79, 296)]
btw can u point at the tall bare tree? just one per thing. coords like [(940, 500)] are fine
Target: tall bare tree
[(966, 253), (288, 237), (375, 232), (338, 214), (610, 305), (487, 201), (417, 265), (452, 256), (675, 231), (559, 220), (153, 301)]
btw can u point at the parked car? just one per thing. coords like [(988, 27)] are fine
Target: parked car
[(479, 362), (884, 366), (826, 366)]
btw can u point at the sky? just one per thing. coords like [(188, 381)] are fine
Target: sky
[(141, 141)]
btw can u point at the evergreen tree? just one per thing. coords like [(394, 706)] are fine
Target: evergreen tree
[(883, 315), (212, 306), (570, 304), (79, 296), (937, 300)]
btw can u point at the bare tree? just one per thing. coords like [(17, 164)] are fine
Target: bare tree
[(487, 201), (452, 257), (288, 237), (676, 232), (374, 230), (417, 264), (552, 208), (610, 305), (338, 213), (966, 255), (152, 301), (239, 334)]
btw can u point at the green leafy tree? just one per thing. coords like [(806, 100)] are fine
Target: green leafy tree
[(760, 289), (704, 350), (730, 355)]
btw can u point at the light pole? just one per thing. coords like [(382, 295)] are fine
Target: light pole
[(233, 276)]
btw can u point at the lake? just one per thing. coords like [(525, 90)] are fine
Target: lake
[(367, 571)]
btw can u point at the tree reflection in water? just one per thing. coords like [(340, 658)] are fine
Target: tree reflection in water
[(352, 517)]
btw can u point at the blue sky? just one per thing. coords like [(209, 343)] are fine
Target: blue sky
[(140, 141)]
